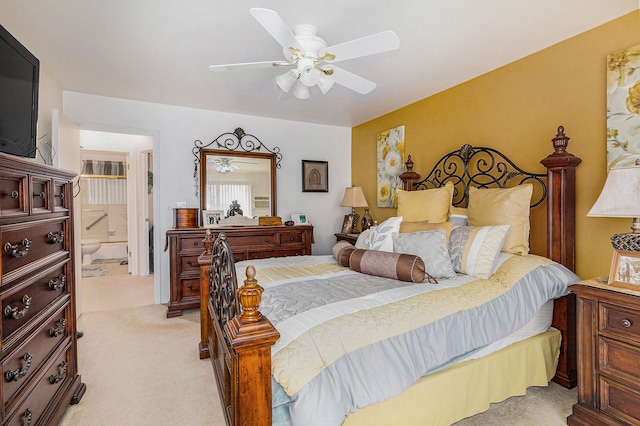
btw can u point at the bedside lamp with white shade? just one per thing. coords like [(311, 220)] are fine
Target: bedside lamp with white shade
[(354, 197), (620, 197)]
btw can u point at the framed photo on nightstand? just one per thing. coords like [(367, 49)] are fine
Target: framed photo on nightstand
[(625, 269)]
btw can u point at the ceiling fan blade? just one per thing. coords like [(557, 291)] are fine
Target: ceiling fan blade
[(248, 65), (364, 46), (273, 23), (351, 81)]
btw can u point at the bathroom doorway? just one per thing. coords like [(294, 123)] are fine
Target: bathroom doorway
[(116, 190)]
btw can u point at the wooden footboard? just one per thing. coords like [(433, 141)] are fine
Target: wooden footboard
[(238, 338)]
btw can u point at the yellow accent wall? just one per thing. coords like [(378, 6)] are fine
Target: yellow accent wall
[(517, 109)]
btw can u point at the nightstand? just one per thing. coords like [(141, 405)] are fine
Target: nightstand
[(608, 354), (347, 237)]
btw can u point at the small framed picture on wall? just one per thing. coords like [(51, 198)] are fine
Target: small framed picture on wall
[(315, 176)]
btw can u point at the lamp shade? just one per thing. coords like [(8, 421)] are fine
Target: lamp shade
[(620, 196), (354, 197)]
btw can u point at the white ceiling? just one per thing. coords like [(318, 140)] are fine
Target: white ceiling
[(159, 50)]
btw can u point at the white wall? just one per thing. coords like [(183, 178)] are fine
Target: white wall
[(175, 129)]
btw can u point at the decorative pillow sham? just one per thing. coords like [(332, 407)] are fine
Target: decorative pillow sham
[(403, 267), (380, 236), (364, 239), (431, 247), (341, 251), (425, 225), (500, 206), (429, 204), (458, 215), (474, 249)]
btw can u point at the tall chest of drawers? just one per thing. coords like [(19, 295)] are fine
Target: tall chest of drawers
[(608, 355), (37, 289), (247, 242)]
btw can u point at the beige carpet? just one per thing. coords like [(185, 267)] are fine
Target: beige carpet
[(141, 369)]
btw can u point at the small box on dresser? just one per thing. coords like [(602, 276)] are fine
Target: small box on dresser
[(608, 354), (37, 292)]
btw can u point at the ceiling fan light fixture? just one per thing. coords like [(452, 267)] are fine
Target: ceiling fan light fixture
[(325, 83), (286, 80), (301, 91)]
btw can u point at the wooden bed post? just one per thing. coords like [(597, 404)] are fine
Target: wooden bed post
[(251, 336), (561, 231)]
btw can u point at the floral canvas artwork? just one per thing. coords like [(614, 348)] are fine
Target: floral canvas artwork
[(623, 107), (390, 155)]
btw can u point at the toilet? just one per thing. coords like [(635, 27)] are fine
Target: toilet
[(88, 248)]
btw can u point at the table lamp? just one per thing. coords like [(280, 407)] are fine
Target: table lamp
[(354, 197), (620, 197)]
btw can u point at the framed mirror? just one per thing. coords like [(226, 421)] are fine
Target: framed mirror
[(246, 177)]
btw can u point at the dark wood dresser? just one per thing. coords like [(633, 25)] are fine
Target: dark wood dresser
[(38, 349), (608, 355), (247, 242)]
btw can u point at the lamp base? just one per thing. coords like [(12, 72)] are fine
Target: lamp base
[(628, 242), (367, 220)]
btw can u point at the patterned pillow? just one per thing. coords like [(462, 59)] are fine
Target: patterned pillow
[(474, 249), (380, 237), (364, 239), (431, 247), (425, 225)]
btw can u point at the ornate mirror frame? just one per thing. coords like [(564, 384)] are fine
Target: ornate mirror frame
[(236, 144)]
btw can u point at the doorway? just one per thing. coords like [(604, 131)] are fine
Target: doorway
[(116, 187)]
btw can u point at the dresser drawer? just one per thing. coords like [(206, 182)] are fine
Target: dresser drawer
[(40, 195), (47, 385), (19, 365), (192, 244), (619, 401), (263, 240), (620, 360), (60, 197), (26, 300), (290, 237), (189, 265), (190, 287), (258, 254), (13, 194), (620, 321), (29, 242)]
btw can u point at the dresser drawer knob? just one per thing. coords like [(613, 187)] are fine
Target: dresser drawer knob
[(60, 195), (626, 323), (266, 240), (195, 243), (57, 331), (15, 375), (55, 237), (13, 249), (62, 373), (57, 283), (14, 313), (14, 194), (28, 416)]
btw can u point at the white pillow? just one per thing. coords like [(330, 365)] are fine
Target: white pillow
[(382, 235), (431, 247), (364, 239)]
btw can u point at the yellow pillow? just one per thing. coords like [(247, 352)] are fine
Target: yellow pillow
[(503, 206), (425, 225), (430, 204)]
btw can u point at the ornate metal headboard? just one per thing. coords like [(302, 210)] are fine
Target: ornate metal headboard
[(224, 286), (480, 167)]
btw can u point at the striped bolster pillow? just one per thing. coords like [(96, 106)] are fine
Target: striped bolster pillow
[(403, 267), (341, 251)]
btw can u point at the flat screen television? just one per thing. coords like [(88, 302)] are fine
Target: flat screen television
[(19, 76)]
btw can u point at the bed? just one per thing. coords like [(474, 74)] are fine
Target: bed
[(303, 369)]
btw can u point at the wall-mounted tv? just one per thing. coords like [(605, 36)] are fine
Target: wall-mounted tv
[(19, 76)]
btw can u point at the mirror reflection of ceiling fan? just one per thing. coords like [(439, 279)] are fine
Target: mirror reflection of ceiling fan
[(312, 59), (227, 164)]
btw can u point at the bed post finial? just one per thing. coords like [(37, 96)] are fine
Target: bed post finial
[(560, 142), (409, 176), (250, 296)]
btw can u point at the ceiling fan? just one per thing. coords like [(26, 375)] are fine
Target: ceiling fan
[(313, 59)]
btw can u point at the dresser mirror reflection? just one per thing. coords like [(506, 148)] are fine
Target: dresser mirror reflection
[(246, 177)]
